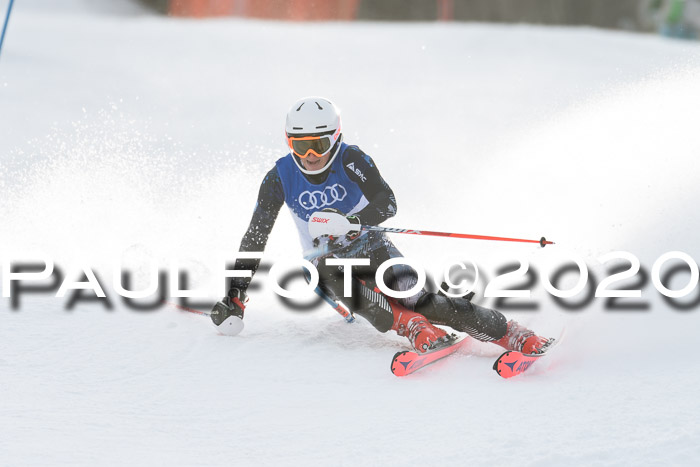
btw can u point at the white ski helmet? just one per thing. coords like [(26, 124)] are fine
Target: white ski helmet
[(313, 127)]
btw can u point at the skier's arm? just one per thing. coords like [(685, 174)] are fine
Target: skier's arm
[(270, 200), (227, 314), (360, 168)]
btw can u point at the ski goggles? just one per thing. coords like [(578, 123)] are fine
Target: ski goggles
[(319, 146)]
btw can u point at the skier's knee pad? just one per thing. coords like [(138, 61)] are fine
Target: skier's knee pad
[(437, 308), (460, 314)]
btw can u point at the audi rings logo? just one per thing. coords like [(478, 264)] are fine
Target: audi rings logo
[(320, 199)]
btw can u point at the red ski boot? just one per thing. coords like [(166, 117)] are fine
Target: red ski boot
[(521, 339), (422, 335)]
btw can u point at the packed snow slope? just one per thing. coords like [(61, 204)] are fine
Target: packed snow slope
[(132, 138)]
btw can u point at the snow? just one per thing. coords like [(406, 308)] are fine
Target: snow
[(132, 137)]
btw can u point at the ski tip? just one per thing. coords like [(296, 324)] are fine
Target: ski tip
[(505, 365), (396, 367), (499, 361)]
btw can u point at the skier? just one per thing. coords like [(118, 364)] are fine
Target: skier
[(323, 177)]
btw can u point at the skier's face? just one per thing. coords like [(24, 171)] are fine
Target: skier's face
[(312, 162)]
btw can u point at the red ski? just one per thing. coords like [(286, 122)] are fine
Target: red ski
[(512, 363), (407, 362)]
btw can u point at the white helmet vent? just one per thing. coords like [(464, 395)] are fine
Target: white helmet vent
[(312, 115)]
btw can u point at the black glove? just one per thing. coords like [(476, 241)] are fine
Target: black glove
[(231, 305)]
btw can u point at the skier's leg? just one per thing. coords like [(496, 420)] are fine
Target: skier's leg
[(364, 302), (481, 323), (399, 277), (413, 316), (382, 313), (407, 322), (459, 314)]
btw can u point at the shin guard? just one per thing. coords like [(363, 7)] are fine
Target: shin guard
[(481, 323)]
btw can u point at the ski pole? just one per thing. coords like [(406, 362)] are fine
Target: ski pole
[(342, 311), (184, 308), (7, 20), (376, 228)]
